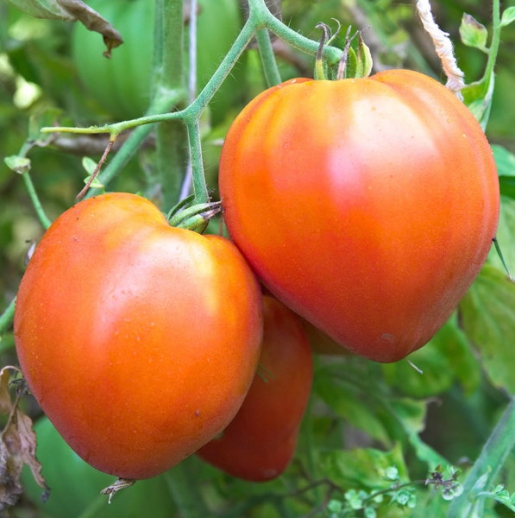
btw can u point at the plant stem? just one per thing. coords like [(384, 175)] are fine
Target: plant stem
[(161, 103), (171, 155), (6, 318), (268, 62), (197, 167), (44, 220), (487, 466), (496, 40)]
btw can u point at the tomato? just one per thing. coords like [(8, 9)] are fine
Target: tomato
[(138, 340), (368, 206), (123, 83), (260, 442), (321, 343), (75, 485)]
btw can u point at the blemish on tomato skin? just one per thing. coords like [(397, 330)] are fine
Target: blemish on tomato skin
[(388, 337), (197, 413)]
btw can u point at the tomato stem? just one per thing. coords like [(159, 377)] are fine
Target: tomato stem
[(25, 173), (320, 73), (197, 167), (169, 73), (266, 52)]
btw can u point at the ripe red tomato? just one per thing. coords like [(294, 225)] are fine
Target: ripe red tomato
[(260, 442), (368, 206), (138, 340)]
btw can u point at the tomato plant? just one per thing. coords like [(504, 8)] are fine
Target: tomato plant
[(123, 83), (368, 206), (75, 485), (260, 442), (139, 340)]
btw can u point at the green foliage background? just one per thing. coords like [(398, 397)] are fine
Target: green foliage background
[(365, 419)]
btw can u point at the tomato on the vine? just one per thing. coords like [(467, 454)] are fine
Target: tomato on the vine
[(122, 84), (138, 340), (260, 442), (368, 206)]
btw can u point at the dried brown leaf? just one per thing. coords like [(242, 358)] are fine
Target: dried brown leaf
[(72, 10), (17, 444)]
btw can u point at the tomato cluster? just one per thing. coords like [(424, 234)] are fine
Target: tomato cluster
[(365, 206)]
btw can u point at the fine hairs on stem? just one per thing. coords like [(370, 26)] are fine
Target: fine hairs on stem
[(443, 47)]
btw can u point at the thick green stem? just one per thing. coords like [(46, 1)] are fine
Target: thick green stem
[(486, 468), (268, 62), (171, 154)]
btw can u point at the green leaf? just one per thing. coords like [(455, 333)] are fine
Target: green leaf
[(447, 358), (505, 237), (364, 61), (425, 453), (478, 98), (473, 33), (354, 402), (89, 165), (488, 318), (505, 161), (364, 468), (18, 164), (508, 16)]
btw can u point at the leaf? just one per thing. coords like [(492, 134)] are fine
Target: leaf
[(18, 164), (505, 161), (364, 61), (505, 237), (473, 33), (444, 360), (72, 10), (364, 467), (488, 319), (478, 96), (17, 446), (508, 16)]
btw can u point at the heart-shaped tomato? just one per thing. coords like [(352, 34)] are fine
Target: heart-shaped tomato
[(368, 206), (138, 340)]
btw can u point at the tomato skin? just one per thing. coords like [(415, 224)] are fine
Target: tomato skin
[(138, 340), (260, 442), (368, 206)]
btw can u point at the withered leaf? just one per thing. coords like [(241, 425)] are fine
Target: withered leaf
[(121, 483), (72, 10), (17, 445)]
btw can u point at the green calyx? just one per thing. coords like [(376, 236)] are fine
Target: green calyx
[(355, 62), (191, 216)]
